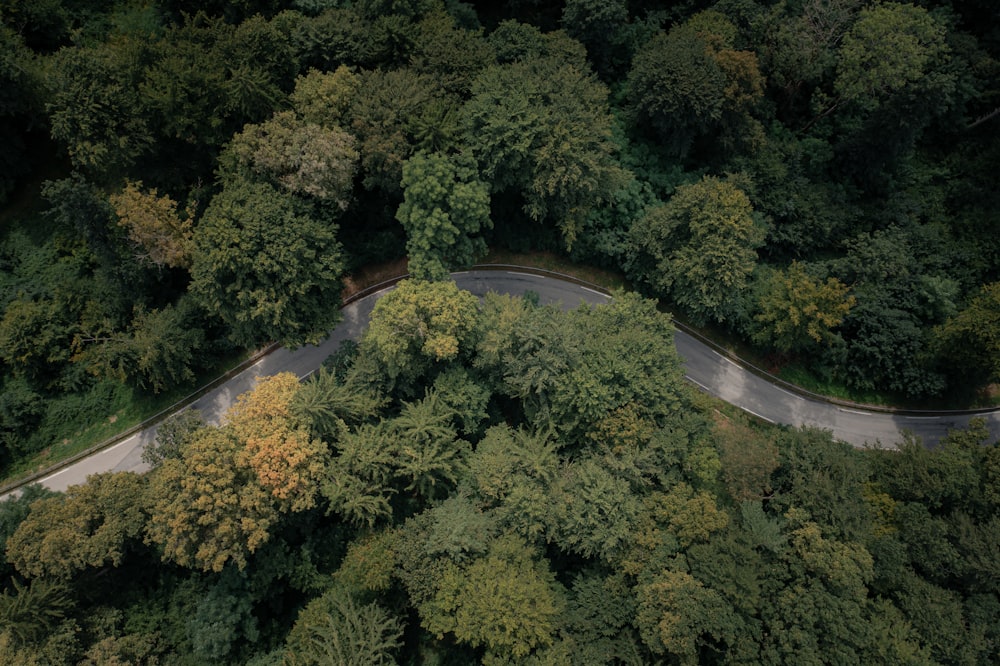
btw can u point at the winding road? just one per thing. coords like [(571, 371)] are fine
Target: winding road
[(715, 373)]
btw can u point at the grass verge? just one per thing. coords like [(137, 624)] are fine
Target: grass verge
[(72, 429)]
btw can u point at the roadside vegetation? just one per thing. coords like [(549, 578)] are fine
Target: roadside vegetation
[(810, 182), (507, 487)]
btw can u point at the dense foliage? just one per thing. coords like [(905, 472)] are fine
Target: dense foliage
[(185, 180), (499, 484)]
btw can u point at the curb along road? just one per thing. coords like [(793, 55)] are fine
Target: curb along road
[(706, 365)]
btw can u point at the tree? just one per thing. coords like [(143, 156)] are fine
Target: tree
[(798, 310), (158, 353), (13, 512), (323, 98), (93, 525), (384, 115), (699, 247), (748, 459), (594, 512), (288, 462), (451, 54), (513, 472), (207, 509), (971, 339), (172, 435), (154, 226), (267, 267), (691, 83), (541, 128), (600, 380), (889, 48), (444, 206), (303, 158), (429, 455), (33, 611), (419, 323), (35, 336), (327, 404), (20, 104), (95, 108), (894, 78), (678, 616), (335, 628), (507, 602), (602, 28), (359, 481)]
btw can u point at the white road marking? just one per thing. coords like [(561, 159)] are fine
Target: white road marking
[(760, 416), (854, 411), (695, 381)]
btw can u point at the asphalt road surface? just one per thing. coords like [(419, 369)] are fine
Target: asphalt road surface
[(713, 372)]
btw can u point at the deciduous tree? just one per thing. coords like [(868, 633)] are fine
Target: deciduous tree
[(699, 247), (267, 267), (154, 226), (94, 524), (798, 310), (541, 128), (335, 628), (302, 157), (971, 339), (207, 509), (419, 323)]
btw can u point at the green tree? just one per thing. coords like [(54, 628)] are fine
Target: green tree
[(267, 267), (13, 512), (513, 472), (603, 28), (385, 114), (890, 47), (971, 339), (93, 525), (451, 54), (35, 336), (541, 128), (172, 435), (798, 311), (420, 323), (323, 98), (335, 628), (20, 104), (444, 206), (33, 611), (359, 482), (429, 455), (594, 513), (692, 83), (327, 404), (507, 601), (95, 108), (699, 247), (678, 616), (160, 350)]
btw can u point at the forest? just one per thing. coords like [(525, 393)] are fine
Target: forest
[(183, 181)]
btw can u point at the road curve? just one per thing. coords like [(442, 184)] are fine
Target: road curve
[(706, 368)]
